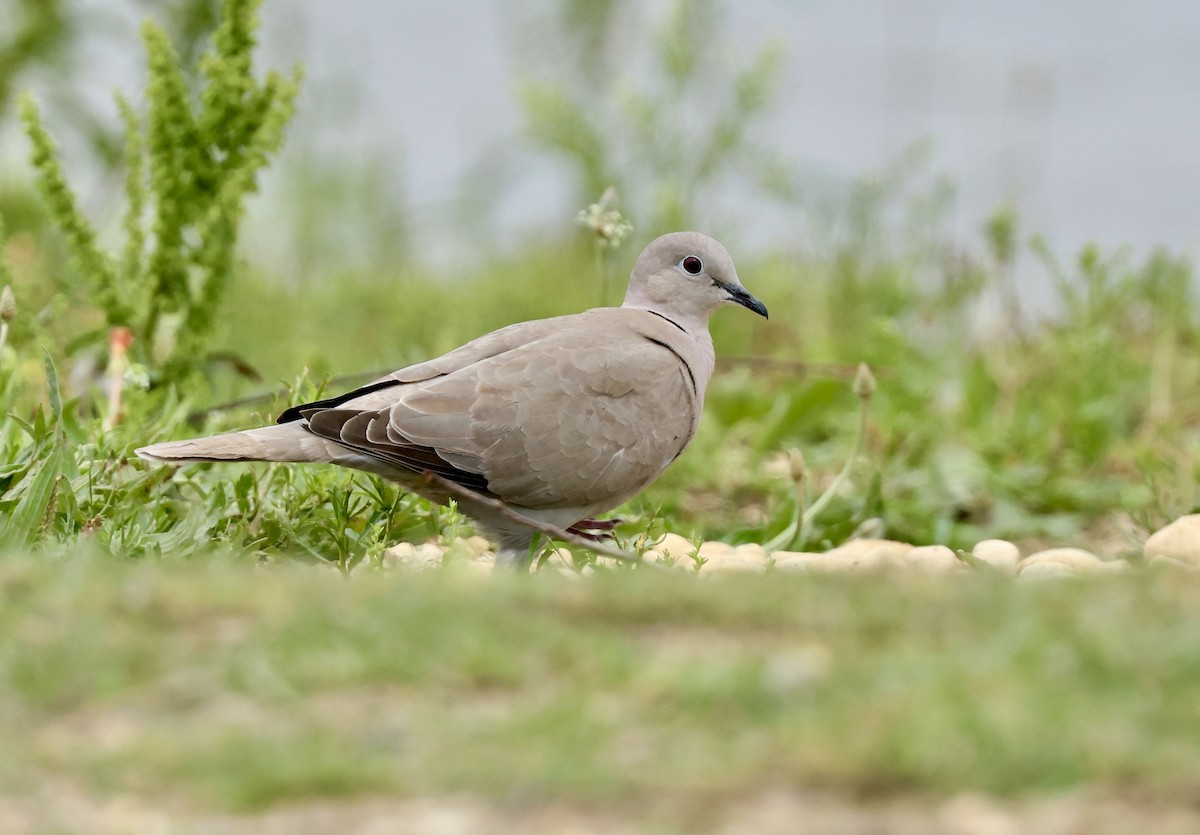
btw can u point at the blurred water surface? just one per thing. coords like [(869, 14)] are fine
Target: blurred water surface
[(1082, 113)]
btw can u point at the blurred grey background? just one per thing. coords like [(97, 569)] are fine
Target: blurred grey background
[(1083, 114)]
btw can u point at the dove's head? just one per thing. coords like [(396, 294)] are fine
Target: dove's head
[(685, 276)]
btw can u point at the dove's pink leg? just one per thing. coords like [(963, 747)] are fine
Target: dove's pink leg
[(596, 530)]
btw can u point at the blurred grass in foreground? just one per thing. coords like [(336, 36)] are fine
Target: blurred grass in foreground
[(218, 685)]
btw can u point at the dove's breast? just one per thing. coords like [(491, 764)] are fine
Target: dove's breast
[(591, 422)]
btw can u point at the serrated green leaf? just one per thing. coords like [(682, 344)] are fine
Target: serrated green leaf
[(22, 525)]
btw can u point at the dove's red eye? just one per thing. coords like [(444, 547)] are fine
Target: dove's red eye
[(692, 265)]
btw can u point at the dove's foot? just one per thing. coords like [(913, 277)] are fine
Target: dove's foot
[(597, 530)]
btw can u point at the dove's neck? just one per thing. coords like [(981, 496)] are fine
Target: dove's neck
[(689, 339), (694, 324)]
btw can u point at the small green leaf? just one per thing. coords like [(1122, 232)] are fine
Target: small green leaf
[(52, 385), (23, 524), (25, 425)]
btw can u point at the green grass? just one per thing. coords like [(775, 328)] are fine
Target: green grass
[(219, 685)]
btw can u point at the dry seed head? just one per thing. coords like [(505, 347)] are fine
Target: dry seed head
[(605, 221), (864, 381), (797, 467), (8, 304)]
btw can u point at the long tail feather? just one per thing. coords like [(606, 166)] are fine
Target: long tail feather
[(287, 442)]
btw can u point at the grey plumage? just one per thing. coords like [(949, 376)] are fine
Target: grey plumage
[(560, 419)]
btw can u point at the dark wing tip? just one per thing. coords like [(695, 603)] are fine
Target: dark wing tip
[(302, 410)]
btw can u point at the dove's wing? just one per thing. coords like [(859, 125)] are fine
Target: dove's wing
[(580, 414)]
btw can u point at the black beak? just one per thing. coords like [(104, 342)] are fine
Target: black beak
[(740, 295)]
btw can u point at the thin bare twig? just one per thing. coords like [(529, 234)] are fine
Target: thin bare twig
[(345, 380), (844, 370), (552, 531)]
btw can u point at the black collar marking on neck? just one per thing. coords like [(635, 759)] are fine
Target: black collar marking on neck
[(672, 321), (682, 361)]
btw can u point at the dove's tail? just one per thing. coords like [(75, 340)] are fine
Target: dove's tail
[(287, 442)]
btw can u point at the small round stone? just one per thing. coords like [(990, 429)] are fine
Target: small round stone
[(998, 553), (752, 551), (711, 549), (860, 547), (478, 544), (416, 557), (1074, 558), (671, 548), (881, 558), (732, 563), (806, 561), (1179, 541), (936, 559), (560, 558), (1046, 571)]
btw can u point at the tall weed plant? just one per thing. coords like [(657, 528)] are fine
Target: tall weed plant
[(192, 157)]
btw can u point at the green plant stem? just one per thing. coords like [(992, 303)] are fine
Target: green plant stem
[(825, 498), (602, 271), (802, 520), (788, 536)]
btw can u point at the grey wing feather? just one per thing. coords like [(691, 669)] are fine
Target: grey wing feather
[(379, 393), (361, 431)]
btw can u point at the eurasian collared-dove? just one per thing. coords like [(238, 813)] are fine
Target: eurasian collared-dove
[(560, 419)]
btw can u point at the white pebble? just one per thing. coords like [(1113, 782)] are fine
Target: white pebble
[(1074, 558), (752, 551), (732, 563), (478, 545), (807, 561), (860, 547), (1179, 541), (417, 557), (711, 549), (1046, 571), (560, 558), (998, 553), (881, 558), (671, 548), (937, 559)]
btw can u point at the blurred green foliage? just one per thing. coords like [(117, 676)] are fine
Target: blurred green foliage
[(35, 31), (669, 137)]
